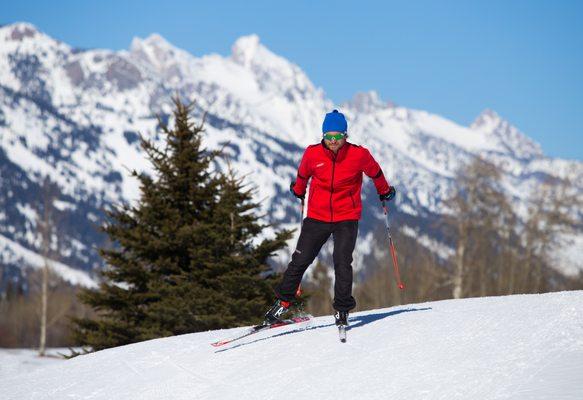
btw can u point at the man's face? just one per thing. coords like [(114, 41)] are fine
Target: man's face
[(332, 143)]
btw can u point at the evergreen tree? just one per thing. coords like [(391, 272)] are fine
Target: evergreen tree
[(185, 258)]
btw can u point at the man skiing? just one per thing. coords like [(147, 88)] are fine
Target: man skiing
[(334, 208)]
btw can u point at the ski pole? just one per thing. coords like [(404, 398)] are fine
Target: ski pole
[(299, 291), (302, 213), (393, 251)]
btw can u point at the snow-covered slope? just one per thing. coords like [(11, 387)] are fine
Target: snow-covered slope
[(74, 116), (22, 361), (514, 347)]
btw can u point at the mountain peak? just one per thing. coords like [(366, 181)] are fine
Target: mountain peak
[(510, 137), (249, 52), (367, 102), (246, 49), (488, 116), (272, 73), (156, 51), (154, 40), (19, 31)]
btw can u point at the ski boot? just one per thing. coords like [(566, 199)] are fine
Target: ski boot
[(341, 318), (341, 322), (276, 311)]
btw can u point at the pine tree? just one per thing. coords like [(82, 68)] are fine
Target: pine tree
[(185, 258)]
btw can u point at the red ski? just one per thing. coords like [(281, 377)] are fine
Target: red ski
[(261, 328)]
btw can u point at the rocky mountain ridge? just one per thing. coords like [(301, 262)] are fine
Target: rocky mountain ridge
[(74, 116)]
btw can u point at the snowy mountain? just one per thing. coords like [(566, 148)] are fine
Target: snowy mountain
[(492, 348), (74, 115)]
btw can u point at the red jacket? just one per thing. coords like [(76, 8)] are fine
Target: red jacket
[(337, 181)]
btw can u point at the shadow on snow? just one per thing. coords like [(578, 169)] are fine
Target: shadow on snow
[(355, 322), (362, 320)]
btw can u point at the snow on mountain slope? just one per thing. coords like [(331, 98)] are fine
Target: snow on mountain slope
[(513, 347), (75, 115), (507, 136), (13, 253)]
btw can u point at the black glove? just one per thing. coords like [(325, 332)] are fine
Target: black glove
[(291, 188), (390, 195)]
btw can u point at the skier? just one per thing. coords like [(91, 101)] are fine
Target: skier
[(334, 208)]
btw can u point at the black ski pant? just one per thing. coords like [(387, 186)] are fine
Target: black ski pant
[(313, 235)]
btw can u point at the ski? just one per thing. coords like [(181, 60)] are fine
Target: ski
[(260, 328), (342, 333)]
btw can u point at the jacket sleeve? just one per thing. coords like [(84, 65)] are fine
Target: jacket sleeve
[(373, 170), (304, 174)]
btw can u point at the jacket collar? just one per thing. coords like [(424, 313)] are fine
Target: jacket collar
[(341, 152)]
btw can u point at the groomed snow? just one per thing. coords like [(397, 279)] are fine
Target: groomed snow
[(514, 347), (20, 361)]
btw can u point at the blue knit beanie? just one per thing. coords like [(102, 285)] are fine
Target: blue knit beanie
[(334, 122)]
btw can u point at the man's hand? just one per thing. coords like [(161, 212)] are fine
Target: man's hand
[(291, 188), (390, 195)]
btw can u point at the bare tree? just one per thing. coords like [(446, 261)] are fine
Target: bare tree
[(495, 252), (553, 211), (46, 229), (20, 313), (424, 276), (508, 257), (480, 213)]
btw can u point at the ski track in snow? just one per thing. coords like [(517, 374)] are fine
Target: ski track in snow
[(512, 347)]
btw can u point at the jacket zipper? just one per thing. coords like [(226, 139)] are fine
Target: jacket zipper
[(332, 187)]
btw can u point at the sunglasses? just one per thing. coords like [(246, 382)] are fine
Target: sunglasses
[(338, 136)]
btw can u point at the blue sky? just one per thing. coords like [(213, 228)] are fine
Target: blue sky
[(523, 59)]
